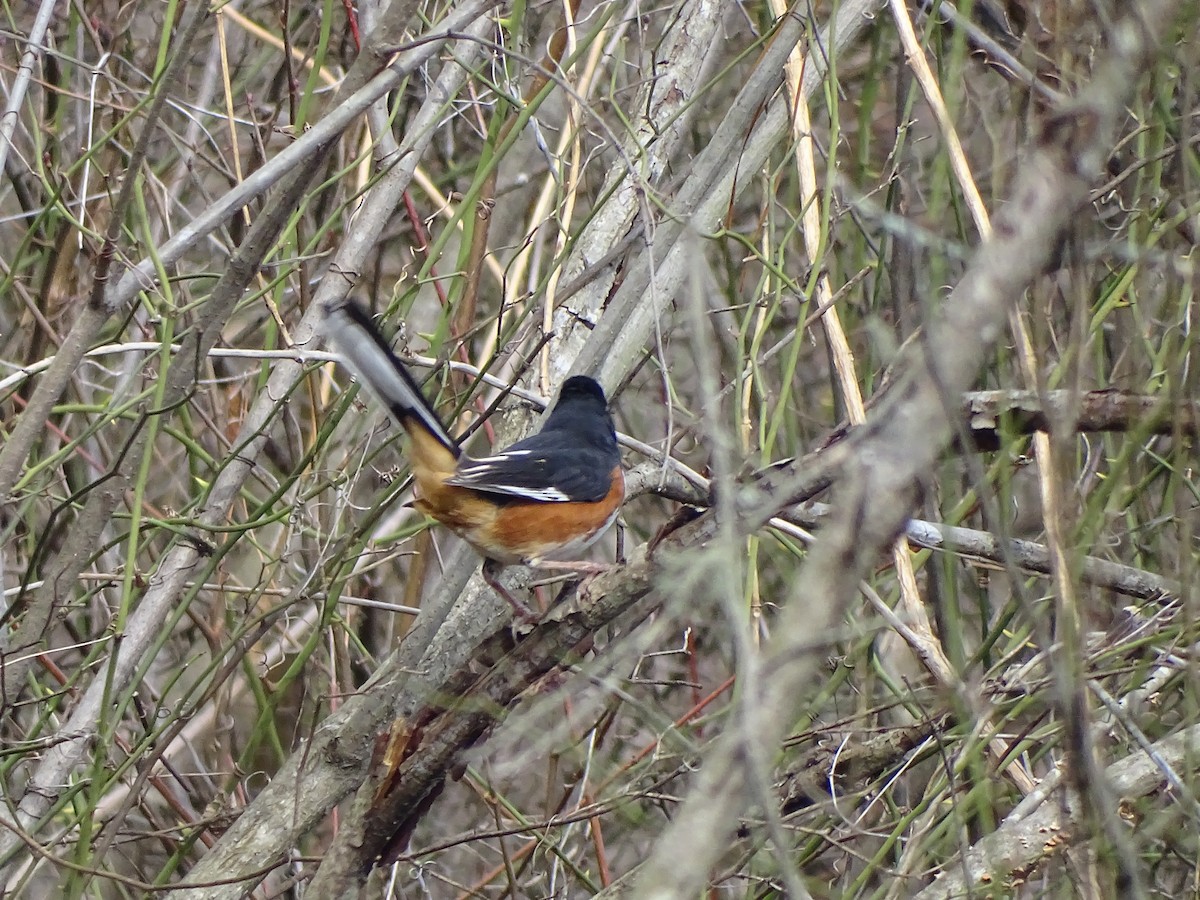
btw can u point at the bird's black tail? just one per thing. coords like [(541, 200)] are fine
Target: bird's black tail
[(369, 357)]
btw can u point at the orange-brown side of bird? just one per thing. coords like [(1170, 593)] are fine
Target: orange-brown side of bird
[(528, 529), (533, 530)]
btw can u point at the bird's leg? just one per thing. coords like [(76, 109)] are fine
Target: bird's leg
[(491, 574)]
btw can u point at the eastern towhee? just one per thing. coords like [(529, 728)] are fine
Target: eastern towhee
[(551, 494)]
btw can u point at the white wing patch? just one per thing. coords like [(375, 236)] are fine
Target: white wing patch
[(480, 474), (542, 495)]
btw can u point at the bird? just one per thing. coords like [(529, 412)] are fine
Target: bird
[(548, 496)]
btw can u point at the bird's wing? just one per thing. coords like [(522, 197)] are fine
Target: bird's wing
[(545, 471)]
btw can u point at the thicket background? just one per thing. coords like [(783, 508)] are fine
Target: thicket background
[(749, 227)]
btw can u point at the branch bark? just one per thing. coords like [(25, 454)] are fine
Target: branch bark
[(1026, 839), (1025, 412)]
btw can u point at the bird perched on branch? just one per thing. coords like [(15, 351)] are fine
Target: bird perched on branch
[(549, 495)]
